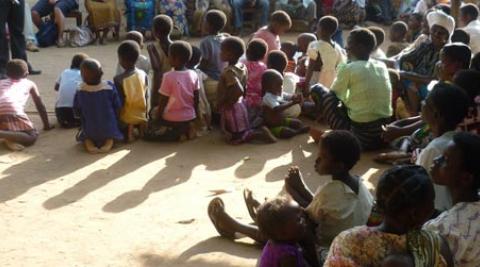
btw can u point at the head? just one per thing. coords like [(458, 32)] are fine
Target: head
[(281, 220), (195, 59), (289, 48), (179, 53), (326, 27), (360, 44), (468, 80), (453, 57), (214, 21), (128, 52), (415, 22), (280, 22), (405, 196), (232, 49), (277, 60), (77, 60), (445, 107), (460, 36), (135, 36), (441, 27), (303, 40), (468, 13), (398, 31), (379, 35), (475, 63), (444, 8), (256, 49), (91, 71), (458, 168), (16, 69), (338, 152), (272, 82), (162, 26)]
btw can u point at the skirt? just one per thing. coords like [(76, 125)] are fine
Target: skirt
[(16, 123)]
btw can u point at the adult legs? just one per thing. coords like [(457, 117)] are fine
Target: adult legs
[(237, 10), (327, 106), (60, 22), (264, 6), (5, 7), (15, 21), (386, 7)]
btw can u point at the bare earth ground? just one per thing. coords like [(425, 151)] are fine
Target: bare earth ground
[(144, 204)]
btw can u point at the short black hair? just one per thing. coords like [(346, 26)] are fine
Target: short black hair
[(451, 102), (289, 48), (77, 60), (458, 52), (129, 51), (16, 68), (235, 45), (93, 71), (460, 36), (444, 8), (470, 10), (475, 63), (256, 49), (343, 146), (272, 215), (181, 49), (268, 77), (400, 27), (281, 17), (402, 188), (329, 23), (216, 19), (195, 58), (135, 36), (162, 24), (379, 35), (468, 80), (277, 60), (417, 16), (469, 146), (364, 37)]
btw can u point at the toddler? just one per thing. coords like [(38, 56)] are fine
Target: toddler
[(280, 23), (303, 41), (277, 60), (290, 49), (16, 129), (142, 62), (256, 51), (67, 85), (132, 89), (398, 32), (98, 104), (380, 38)]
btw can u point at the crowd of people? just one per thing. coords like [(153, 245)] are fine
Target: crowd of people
[(420, 97)]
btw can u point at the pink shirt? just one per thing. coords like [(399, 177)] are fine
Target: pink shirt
[(254, 82), (179, 86), (272, 40), (14, 95)]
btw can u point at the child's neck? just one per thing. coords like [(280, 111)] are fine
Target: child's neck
[(181, 68)]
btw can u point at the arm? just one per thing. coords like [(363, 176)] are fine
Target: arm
[(395, 130), (196, 100), (42, 111), (118, 84), (415, 77), (295, 100), (341, 84), (162, 104), (153, 54)]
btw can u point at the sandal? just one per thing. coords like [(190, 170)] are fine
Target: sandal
[(215, 205)]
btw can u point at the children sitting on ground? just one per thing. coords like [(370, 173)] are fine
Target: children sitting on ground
[(279, 108), (98, 104), (179, 96), (303, 41), (211, 63), (142, 62), (67, 86), (398, 32), (234, 120), (290, 49), (280, 23), (380, 38), (132, 89), (364, 90), (324, 55), (16, 129), (277, 60)]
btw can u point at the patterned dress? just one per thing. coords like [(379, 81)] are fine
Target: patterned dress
[(176, 9)]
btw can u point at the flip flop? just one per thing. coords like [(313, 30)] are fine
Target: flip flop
[(215, 204), (247, 193)]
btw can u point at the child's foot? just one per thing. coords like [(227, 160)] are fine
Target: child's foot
[(13, 146), (130, 134), (268, 135), (251, 203), (316, 135), (223, 223), (90, 147), (294, 179), (107, 146)]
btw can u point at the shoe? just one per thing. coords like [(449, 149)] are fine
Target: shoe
[(32, 47), (34, 72)]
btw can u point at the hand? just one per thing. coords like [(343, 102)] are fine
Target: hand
[(48, 127), (391, 132)]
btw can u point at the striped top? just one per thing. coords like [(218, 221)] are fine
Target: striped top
[(14, 95)]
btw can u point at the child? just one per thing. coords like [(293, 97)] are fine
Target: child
[(280, 23), (379, 37), (16, 129), (445, 107), (158, 51), (324, 55), (280, 109), (132, 89), (211, 63), (460, 36), (179, 97), (67, 85), (398, 32), (414, 27), (256, 51), (458, 168), (303, 41), (142, 63), (98, 104), (234, 116), (278, 61), (290, 49)]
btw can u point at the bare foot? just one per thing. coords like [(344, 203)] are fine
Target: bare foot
[(107, 146), (251, 203), (294, 179), (130, 133), (90, 147), (13, 146), (316, 135), (224, 224), (268, 135)]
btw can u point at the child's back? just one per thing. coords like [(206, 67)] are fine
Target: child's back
[(143, 63), (134, 88), (180, 86), (331, 55), (212, 65), (68, 83)]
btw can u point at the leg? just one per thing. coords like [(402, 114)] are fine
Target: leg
[(311, 13), (237, 10), (90, 146), (386, 7), (130, 136), (41, 9), (107, 146), (263, 133), (16, 19), (326, 104), (4, 47), (22, 138), (264, 6), (286, 132), (60, 22), (298, 126)]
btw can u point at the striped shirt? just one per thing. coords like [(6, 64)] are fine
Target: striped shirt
[(14, 95)]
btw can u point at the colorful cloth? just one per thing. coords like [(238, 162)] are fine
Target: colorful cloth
[(284, 124), (102, 14), (272, 40), (425, 247), (210, 49), (139, 14), (253, 95), (134, 87), (14, 95), (68, 83), (331, 55), (348, 12), (273, 252), (421, 60), (180, 87), (16, 123), (176, 9)]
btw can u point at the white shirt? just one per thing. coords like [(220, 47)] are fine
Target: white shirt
[(290, 81), (473, 29), (460, 226), (331, 56), (142, 63), (270, 100), (68, 83)]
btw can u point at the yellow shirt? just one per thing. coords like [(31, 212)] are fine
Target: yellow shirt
[(134, 110)]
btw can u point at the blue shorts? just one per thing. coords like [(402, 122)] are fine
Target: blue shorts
[(44, 8)]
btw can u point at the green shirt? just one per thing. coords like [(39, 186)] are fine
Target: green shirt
[(364, 87)]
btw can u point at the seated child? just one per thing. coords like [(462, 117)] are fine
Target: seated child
[(324, 55), (469, 80), (303, 41), (67, 86), (398, 32), (98, 104), (458, 168), (414, 27), (132, 89), (445, 107), (289, 48), (278, 61), (380, 38), (231, 87), (280, 23), (363, 88), (179, 97), (279, 108), (16, 129), (299, 10), (142, 62), (460, 36)]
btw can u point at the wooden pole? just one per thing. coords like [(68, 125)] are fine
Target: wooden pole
[(455, 10)]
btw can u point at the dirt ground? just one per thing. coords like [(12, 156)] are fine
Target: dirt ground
[(143, 204)]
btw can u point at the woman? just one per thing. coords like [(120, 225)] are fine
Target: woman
[(103, 15), (176, 9)]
